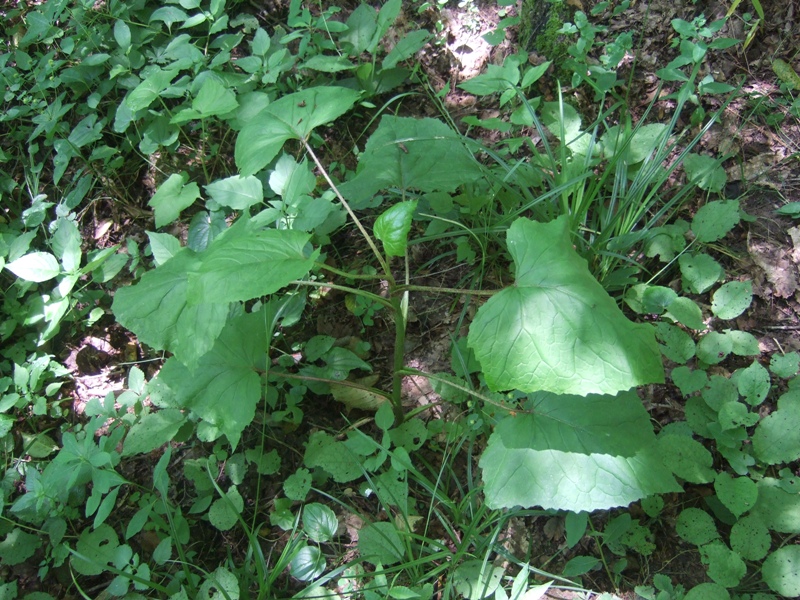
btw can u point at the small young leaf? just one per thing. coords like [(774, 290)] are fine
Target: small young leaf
[(750, 538), (753, 383), (714, 347), (714, 220), (236, 192), (379, 543), (696, 526), (705, 172), (153, 430), (224, 512), (393, 225), (297, 485), (785, 365), (732, 299), (700, 272), (307, 564), (172, 197), (738, 494), (724, 566), (477, 579), (743, 343), (789, 76), (689, 381), (575, 526), (319, 522), (686, 312), (580, 565), (676, 344), (219, 585), (163, 246), (533, 74)]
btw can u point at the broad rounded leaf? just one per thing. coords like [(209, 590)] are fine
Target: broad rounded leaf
[(291, 117), (781, 571), (708, 591), (36, 267), (393, 225), (777, 437), (705, 172), (224, 512), (724, 566), (219, 585), (557, 329), (778, 510), (574, 453), (687, 458)]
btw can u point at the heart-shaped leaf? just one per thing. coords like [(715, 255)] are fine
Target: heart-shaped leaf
[(556, 328)]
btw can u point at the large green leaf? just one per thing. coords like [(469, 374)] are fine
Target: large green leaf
[(246, 262), (226, 385), (574, 453), (291, 117), (155, 309), (556, 329), (420, 154)]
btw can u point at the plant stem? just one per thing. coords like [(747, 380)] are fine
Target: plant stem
[(425, 288), (346, 274), (344, 288), (367, 237), (399, 356)]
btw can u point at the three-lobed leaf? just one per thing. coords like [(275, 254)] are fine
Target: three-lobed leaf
[(293, 116)]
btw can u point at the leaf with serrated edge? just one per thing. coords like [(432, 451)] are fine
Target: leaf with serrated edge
[(155, 309), (226, 385), (246, 262), (556, 328), (574, 453)]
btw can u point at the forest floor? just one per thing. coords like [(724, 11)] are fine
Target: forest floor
[(757, 133)]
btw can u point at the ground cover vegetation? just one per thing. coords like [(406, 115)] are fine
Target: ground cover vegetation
[(201, 182)]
